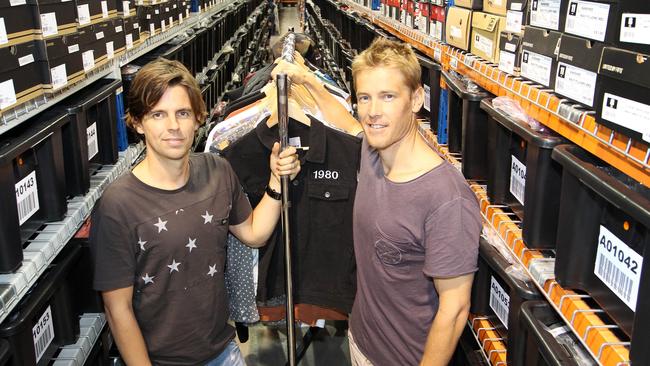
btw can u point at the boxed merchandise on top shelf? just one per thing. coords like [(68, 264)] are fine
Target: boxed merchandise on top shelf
[(510, 53), (92, 11), (20, 79), (126, 8), (131, 28), (457, 28), (57, 18), (546, 14), (486, 32), (63, 62), (469, 4), (538, 55), (18, 22)]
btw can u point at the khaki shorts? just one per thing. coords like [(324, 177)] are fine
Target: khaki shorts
[(356, 356)]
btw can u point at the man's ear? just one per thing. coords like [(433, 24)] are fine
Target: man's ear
[(137, 125), (417, 99)]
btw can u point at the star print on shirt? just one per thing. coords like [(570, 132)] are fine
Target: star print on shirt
[(147, 280), (191, 243), (161, 225), (174, 266), (207, 217), (181, 210), (141, 243), (213, 270)]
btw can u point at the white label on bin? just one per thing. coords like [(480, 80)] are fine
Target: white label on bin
[(618, 266), (88, 60), (499, 301), (17, 2), (483, 44), (518, 179), (7, 94), (171, 21), (3, 32), (99, 35), (74, 48), (507, 62), (437, 54), (587, 19), (27, 197), (180, 18), (49, 26), (635, 28), (626, 112), (545, 13), (110, 51), (129, 41), (83, 12), (427, 97), (26, 60), (59, 76), (43, 333), (93, 146), (536, 67), (576, 83), (455, 32), (118, 29), (513, 21), (152, 29), (125, 8), (162, 25), (104, 9)]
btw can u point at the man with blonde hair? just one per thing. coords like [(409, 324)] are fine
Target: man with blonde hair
[(158, 233), (416, 221)]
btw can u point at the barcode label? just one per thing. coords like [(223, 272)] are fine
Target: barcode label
[(514, 21), (27, 197), (626, 112), (7, 94), (180, 18), (49, 27), (3, 32), (536, 67), (619, 267), (171, 21), (43, 333), (17, 2), (507, 62), (125, 8), (437, 54), (104, 9), (59, 76), (545, 13), (576, 83), (427, 98), (518, 179), (83, 14), (587, 19), (453, 63), (152, 29), (26, 60), (499, 301), (129, 41), (93, 146), (635, 27), (162, 25), (110, 51), (88, 60)]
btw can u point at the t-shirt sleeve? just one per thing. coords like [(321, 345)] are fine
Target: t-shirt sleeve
[(452, 237), (241, 207), (113, 252)]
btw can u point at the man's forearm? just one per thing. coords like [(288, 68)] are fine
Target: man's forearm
[(265, 216), (332, 110), (443, 337), (127, 335)]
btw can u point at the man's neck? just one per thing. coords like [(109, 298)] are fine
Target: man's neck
[(409, 158), (163, 174)]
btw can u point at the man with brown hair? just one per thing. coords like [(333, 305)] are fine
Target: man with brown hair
[(416, 221), (159, 232)]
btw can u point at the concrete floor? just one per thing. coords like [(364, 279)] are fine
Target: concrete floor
[(267, 345)]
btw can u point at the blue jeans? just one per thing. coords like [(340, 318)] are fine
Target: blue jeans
[(229, 357)]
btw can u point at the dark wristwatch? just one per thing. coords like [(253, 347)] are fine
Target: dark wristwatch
[(273, 194)]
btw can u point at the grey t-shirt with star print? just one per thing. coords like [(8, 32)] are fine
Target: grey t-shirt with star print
[(171, 247)]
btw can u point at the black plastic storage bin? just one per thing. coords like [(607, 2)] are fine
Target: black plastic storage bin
[(95, 111), (467, 352), (80, 281), (430, 80), (497, 292), (467, 126), (32, 183), (536, 345), (98, 355), (520, 170), (5, 352), (605, 217), (42, 314)]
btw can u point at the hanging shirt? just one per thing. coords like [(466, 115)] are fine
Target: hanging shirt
[(322, 197)]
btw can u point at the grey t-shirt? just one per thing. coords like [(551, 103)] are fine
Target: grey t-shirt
[(406, 234), (171, 247)]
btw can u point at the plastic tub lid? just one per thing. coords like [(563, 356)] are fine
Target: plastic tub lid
[(609, 183), (457, 86), (427, 62), (499, 264), (19, 140), (4, 351), (91, 95), (545, 139)]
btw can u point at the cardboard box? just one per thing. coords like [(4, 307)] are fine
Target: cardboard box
[(538, 58), (625, 23), (64, 63), (486, 32), (547, 13), (457, 27), (510, 53), (93, 11), (18, 24), (577, 69), (131, 32), (469, 4), (56, 18), (116, 36), (513, 10), (125, 8), (149, 19), (623, 96), (20, 79)]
